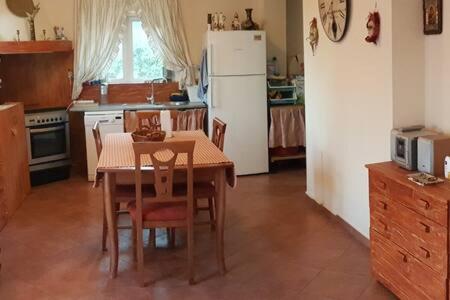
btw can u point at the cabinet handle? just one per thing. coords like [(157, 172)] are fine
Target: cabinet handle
[(404, 257), (14, 132), (383, 205), (425, 203), (385, 227), (426, 227), (382, 185), (426, 252)]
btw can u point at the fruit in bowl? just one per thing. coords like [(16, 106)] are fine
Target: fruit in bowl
[(148, 136)]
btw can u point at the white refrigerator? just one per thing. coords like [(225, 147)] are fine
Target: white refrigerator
[(237, 94)]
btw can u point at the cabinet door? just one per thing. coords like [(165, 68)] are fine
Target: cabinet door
[(3, 207)]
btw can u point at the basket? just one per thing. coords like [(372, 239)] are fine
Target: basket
[(148, 136)]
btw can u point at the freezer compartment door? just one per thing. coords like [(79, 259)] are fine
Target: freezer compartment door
[(235, 53), (241, 102)]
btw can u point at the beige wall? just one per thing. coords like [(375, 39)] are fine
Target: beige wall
[(349, 109), (194, 16), (52, 13), (270, 14), (294, 34), (437, 75)]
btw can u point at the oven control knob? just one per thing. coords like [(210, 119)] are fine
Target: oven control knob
[(48, 120), (51, 119), (39, 121)]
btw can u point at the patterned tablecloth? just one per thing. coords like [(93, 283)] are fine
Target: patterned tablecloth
[(118, 153)]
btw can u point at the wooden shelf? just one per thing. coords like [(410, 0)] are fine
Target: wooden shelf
[(35, 47)]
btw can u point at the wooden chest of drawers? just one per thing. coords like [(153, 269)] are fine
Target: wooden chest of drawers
[(409, 234)]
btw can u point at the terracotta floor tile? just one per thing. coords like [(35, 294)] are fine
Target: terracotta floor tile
[(279, 245)]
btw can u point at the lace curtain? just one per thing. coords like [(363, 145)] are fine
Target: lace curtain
[(101, 23), (99, 28), (162, 21)]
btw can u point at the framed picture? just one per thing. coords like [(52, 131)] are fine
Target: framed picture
[(432, 16)]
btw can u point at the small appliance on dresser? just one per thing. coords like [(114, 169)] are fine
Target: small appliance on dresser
[(432, 151), (48, 145), (404, 145)]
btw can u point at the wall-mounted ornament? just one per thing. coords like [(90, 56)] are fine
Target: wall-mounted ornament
[(20, 8), (30, 17), (249, 24), (334, 16), (432, 16), (313, 35), (236, 23), (373, 27)]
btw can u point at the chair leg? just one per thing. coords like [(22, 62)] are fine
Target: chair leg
[(195, 207), (172, 238), (212, 215), (105, 231), (140, 256), (152, 237), (134, 237), (190, 242)]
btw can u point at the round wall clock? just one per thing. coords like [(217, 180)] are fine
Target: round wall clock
[(334, 15)]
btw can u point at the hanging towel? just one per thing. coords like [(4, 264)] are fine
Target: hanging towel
[(203, 82)]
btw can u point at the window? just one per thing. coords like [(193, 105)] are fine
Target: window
[(136, 60)]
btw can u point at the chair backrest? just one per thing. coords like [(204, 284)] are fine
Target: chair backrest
[(164, 156), (152, 118), (218, 134), (97, 138)]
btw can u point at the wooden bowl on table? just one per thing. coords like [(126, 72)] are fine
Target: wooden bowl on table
[(148, 136)]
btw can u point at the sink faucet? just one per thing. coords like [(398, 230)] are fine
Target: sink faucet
[(151, 99)]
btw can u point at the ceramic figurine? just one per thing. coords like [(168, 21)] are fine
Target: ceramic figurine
[(249, 24), (313, 35), (236, 24), (373, 27), (215, 22), (59, 33), (222, 20), (30, 18)]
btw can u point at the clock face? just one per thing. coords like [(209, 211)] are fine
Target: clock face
[(334, 16)]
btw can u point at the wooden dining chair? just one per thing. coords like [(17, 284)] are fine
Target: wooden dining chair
[(124, 192), (206, 190), (152, 118), (171, 206)]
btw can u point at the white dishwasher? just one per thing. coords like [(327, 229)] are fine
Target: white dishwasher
[(110, 122)]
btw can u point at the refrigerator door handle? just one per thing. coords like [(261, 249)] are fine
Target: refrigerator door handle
[(211, 56), (212, 93)]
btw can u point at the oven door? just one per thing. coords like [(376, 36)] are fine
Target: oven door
[(47, 144)]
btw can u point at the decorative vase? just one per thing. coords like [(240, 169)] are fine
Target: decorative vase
[(249, 24), (32, 30)]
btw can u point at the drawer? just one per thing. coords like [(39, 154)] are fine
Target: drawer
[(380, 224), (424, 231), (378, 183), (379, 203), (407, 277), (433, 257), (430, 207)]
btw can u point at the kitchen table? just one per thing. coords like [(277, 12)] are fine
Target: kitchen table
[(210, 164)]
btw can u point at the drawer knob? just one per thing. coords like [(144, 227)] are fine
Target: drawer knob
[(383, 205), (426, 252), (382, 185), (425, 203), (426, 227), (404, 257)]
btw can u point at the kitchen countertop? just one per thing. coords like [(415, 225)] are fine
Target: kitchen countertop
[(140, 106)]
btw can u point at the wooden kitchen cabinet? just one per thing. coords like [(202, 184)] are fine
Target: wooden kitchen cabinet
[(14, 170), (409, 234)]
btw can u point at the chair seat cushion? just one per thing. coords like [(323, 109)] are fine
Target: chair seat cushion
[(160, 211)]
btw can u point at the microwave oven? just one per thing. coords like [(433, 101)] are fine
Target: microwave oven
[(404, 149)]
